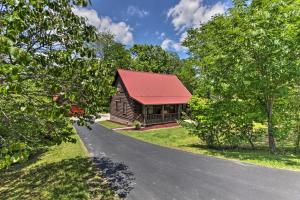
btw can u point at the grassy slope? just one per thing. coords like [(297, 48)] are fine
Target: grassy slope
[(180, 139), (63, 172), (111, 125)]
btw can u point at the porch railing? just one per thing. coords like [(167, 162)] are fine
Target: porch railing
[(159, 118)]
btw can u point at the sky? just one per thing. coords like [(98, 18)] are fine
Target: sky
[(157, 22)]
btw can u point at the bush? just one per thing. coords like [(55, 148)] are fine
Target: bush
[(224, 122), (137, 125)]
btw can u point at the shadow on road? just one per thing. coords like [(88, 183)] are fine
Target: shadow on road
[(119, 177)]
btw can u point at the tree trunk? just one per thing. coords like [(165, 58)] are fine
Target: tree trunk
[(251, 143), (248, 131), (272, 145), (297, 144)]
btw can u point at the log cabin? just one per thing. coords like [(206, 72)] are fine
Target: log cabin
[(149, 98)]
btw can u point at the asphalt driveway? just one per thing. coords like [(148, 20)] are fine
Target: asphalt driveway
[(143, 171)]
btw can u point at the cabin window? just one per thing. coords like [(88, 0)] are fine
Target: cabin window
[(156, 109), (150, 110), (117, 105), (124, 108), (136, 107), (170, 108), (121, 90)]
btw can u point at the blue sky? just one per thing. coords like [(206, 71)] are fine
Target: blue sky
[(158, 22)]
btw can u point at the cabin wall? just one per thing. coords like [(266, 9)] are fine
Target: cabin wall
[(123, 108)]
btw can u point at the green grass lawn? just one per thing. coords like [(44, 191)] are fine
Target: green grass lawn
[(180, 139), (111, 125), (62, 172)]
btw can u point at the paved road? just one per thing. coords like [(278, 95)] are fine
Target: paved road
[(151, 172)]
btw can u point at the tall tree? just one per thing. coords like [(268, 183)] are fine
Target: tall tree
[(112, 53), (45, 51), (154, 59), (250, 54), (288, 114), (188, 73)]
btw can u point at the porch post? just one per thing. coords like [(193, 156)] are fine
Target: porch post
[(144, 114), (163, 112), (178, 111)]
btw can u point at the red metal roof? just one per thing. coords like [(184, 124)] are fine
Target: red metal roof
[(153, 89)]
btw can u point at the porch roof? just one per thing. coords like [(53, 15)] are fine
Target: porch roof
[(154, 89)]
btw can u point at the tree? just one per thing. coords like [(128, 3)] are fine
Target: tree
[(295, 110), (250, 54), (288, 114), (113, 56), (112, 53), (45, 51), (188, 74), (222, 123), (154, 59)]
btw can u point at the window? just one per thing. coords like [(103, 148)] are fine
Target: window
[(150, 110), (170, 109), (120, 89), (156, 109), (124, 108), (117, 105)]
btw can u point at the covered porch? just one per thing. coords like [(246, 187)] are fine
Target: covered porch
[(158, 114)]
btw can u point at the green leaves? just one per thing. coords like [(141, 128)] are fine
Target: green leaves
[(13, 153), (154, 59), (250, 57), (45, 51)]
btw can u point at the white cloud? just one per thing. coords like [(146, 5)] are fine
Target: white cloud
[(170, 45), (162, 35), (187, 14), (183, 36), (135, 11), (192, 13), (121, 31)]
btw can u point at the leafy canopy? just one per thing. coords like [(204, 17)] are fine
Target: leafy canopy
[(45, 50), (249, 56), (154, 59)]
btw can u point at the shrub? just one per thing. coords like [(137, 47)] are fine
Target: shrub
[(137, 125), (223, 122)]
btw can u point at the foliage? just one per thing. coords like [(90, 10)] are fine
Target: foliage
[(137, 125), (153, 59), (232, 125), (250, 56), (45, 51), (140, 57), (188, 74), (112, 53), (288, 109), (113, 56)]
